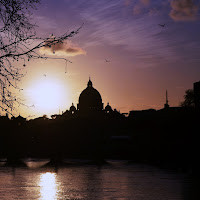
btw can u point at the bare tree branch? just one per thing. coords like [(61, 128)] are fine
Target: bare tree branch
[(19, 42)]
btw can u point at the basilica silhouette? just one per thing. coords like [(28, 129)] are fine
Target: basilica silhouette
[(89, 105)]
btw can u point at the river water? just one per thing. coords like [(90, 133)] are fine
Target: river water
[(118, 180)]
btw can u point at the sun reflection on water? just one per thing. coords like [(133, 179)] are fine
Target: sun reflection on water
[(48, 186)]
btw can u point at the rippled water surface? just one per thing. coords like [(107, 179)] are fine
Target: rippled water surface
[(116, 181)]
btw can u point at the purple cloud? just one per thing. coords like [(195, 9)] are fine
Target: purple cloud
[(183, 10), (66, 48)]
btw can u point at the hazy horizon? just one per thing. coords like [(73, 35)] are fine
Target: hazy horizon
[(146, 59)]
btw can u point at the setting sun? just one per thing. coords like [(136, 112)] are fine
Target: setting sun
[(49, 95)]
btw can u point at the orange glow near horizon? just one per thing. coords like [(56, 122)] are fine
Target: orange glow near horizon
[(48, 95), (55, 92)]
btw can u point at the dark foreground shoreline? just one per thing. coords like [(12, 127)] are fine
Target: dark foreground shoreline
[(55, 162)]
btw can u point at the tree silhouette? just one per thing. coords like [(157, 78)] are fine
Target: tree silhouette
[(19, 42), (188, 99)]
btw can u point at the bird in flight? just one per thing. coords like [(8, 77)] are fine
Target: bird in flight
[(107, 60), (44, 75), (162, 25)]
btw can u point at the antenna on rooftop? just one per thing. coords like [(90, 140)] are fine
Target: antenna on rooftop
[(166, 97), (166, 104)]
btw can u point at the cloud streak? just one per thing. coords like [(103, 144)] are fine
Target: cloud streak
[(183, 10), (112, 24), (66, 48), (137, 9)]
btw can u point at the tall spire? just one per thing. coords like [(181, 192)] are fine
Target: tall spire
[(166, 104), (166, 97)]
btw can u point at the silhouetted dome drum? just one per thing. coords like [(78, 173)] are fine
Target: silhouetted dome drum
[(90, 99), (108, 108), (72, 108)]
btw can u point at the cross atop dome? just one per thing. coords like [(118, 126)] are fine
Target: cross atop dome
[(89, 83)]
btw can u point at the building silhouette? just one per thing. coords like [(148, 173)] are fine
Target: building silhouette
[(89, 105), (94, 132), (90, 100), (196, 87), (72, 109), (19, 120), (108, 109)]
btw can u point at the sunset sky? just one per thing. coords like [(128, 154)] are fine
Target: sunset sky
[(145, 59)]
